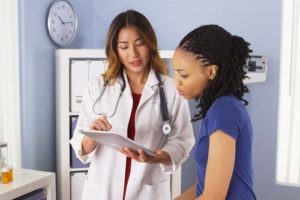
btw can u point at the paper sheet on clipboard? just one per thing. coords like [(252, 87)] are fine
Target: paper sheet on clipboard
[(114, 140)]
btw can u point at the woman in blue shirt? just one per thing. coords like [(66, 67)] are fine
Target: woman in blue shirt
[(208, 66)]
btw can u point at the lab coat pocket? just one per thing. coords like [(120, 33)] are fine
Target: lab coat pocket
[(160, 191), (94, 191)]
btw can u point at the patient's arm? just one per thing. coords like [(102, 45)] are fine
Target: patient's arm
[(188, 194)]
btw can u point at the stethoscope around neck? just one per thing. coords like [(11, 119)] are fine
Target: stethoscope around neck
[(166, 127)]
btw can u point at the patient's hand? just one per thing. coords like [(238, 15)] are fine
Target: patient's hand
[(188, 194)]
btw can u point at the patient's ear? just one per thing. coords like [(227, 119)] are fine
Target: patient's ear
[(212, 71)]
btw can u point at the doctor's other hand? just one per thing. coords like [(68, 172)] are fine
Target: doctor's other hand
[(88, 145), (140, 156), (101, 124)]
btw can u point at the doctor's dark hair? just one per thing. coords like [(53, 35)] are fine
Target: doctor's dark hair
[(139, 21), (213, 45)]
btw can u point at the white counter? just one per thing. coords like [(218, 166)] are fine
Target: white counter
[(26, 181)]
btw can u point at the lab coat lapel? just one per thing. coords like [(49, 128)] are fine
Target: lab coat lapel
[(125, 101), (148, 91), (149, 88)]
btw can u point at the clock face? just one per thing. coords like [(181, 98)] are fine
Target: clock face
[(62, 22)]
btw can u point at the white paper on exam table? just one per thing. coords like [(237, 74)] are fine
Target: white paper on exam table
[(114, 140)]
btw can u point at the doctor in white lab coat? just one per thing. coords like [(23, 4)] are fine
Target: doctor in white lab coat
[(126, 174)]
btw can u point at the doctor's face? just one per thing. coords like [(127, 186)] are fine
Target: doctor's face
[(132, 50), (191, 77)]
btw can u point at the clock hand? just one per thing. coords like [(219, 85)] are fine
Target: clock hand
[(68, 22), (61, 20)]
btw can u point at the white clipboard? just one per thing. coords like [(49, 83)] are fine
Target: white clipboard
[(114, 140)]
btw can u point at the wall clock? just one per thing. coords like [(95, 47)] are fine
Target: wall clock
[(62, 22)]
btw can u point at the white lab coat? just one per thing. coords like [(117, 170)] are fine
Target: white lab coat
[(106, 174)]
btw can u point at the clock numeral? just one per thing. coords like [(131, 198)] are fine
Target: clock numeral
[(63, 6), (55, 14), (71, 16), (54, 30)]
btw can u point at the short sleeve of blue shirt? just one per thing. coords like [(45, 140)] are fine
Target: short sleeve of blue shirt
[(224, 115)]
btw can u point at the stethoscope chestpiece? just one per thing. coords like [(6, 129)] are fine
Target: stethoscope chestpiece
[(166, 128)]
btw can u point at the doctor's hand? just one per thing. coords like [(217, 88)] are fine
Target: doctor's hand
[(140, 156), (88, 144), (101, 124)]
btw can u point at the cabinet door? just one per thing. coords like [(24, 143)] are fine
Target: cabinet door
[(77, 181), (97, 68), (82, 71), (79, 80)]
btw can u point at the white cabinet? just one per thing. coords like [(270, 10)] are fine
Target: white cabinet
[(73, 70), (26, 181)]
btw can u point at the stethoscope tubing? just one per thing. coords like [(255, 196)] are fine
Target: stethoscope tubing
[(166, 127), (163, 104)]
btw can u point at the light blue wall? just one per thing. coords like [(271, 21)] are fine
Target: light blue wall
[(256, 20)]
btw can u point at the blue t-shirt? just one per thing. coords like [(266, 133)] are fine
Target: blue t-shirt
[(229, 115)]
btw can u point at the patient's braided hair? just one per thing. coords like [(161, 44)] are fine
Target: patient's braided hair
[(211, 44)]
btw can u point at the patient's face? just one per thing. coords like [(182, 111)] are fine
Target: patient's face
[(191, 77)]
